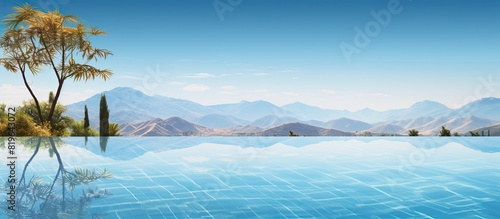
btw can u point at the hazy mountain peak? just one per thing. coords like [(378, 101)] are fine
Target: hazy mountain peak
[(296, 103), (175, 119), (125, 90), (261, 102), (300, 105), (246, 103), (366, 110), (122, 89), (429, 104), (488, 100), (344, 119)]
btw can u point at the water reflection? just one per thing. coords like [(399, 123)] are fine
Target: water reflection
[(57, 198), (103, 143), (126, 148)]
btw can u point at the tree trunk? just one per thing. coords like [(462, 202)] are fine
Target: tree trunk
[(34, 98), (54, 103)]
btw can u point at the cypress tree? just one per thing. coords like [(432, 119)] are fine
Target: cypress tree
[(103, 117), (86, 122)]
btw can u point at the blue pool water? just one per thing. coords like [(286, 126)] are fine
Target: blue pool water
[(263, 177)]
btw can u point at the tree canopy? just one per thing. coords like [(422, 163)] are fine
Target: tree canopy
[(444, 132), (103, 117), (35, 40), (413, 132)]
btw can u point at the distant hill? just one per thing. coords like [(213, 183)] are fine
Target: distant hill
[(173, 126), (418, 122), (368, 115), (464, 125), (272, 121), (387, 129), (425, 125), (308, 112), (251, 110), (432, 126), (219, 121), (487, 108), (494, 130), (302, 130), (425, 108), (348, 125), (241, 130)]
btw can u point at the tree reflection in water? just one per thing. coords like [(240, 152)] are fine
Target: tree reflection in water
[(57, 199), (103, 143)]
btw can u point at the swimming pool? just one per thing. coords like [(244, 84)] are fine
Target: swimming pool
[(262, 177)]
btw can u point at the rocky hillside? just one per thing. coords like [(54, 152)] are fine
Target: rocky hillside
[(302, 130)]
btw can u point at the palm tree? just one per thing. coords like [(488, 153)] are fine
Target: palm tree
[(413, 132), (114, 129), (35, 40)]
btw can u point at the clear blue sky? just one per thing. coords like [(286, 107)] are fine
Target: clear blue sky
[(285, 51)]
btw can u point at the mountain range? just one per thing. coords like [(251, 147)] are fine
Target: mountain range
[(165, 127), (141, 114)]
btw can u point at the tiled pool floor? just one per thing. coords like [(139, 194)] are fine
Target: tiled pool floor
[(331, 178)]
